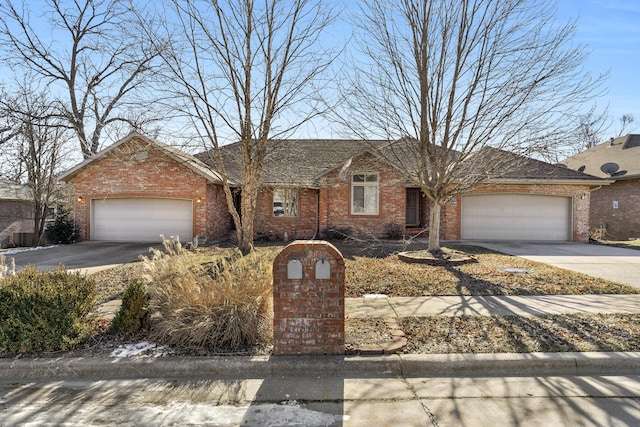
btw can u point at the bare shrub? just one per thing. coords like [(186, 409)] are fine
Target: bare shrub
[(219, 304), (338, 233), (393, 231)]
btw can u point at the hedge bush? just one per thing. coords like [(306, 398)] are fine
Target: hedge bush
[(44, 311), (133, 315)]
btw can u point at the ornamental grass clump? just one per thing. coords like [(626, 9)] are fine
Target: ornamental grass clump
[(221, 304), (44, 311)]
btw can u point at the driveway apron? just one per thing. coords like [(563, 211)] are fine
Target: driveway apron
[(87, 256)]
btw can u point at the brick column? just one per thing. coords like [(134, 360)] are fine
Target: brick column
[(308, 299)]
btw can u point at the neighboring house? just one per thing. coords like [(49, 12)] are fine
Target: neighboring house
[(140, 188), (614, 208), (16, 213)]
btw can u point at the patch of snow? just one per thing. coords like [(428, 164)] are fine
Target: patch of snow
[(289, 413), (374, 296), (17, 251), (175, 413), (142, 349)]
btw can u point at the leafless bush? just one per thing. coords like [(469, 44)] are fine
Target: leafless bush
[(219, 304), (393, 231)]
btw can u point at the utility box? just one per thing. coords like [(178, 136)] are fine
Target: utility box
[(308, 299)]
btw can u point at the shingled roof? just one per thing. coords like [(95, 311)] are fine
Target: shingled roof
[(521, 168), (297, 162), (301, 162), (616, 159)]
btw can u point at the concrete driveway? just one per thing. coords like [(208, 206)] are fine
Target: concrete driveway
[(89, 256), (616, 264)]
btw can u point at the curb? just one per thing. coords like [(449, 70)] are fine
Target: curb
[(244, 367)]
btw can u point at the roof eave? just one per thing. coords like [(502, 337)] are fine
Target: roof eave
[(590, 182)]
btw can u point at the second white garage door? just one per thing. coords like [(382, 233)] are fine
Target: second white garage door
[(141, 220), (516, 217)]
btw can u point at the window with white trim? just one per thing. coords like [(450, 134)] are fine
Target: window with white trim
[(364, 194), (285, 202)]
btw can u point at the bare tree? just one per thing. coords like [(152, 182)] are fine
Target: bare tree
[(247, 73), (625, 121), (90, 50), (449, 79), (38, 142)]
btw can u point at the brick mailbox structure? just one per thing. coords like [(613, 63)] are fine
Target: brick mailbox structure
[(308, 299)]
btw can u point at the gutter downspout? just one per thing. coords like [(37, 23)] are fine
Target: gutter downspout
[(317, 225)]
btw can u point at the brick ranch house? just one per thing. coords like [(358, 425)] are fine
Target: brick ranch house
[(139, 188), (615, 207)]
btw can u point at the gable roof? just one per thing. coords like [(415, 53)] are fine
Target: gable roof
[(180, 156), (616, 159), (10, 190)]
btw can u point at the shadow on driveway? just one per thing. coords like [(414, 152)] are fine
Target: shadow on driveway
[(84, 255)]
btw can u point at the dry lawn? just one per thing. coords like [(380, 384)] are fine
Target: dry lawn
[(515, 334), (375, 268), (381, 272)]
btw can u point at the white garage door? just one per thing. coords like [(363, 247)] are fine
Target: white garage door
[(141, 220), (516, 217)]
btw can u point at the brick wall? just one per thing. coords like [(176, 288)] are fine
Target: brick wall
[(302, 226), (308, 311), (218, 221), (624, 222), (335, 200), (124, 172)]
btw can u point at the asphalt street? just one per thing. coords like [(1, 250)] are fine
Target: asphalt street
[(326, 401)]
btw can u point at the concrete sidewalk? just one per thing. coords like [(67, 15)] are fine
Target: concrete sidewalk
[(358, 308), (362, 308)]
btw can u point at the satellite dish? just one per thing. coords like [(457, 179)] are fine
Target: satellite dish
[(582, 168), (610, 168)]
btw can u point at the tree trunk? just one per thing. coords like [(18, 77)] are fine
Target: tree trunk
[(248, 200), (244, 233), (434, 226), (38, 224)]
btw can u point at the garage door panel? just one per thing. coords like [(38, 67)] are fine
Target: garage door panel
[(141, 219), (516, 217)]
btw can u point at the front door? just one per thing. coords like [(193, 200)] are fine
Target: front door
[(413, 207)]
